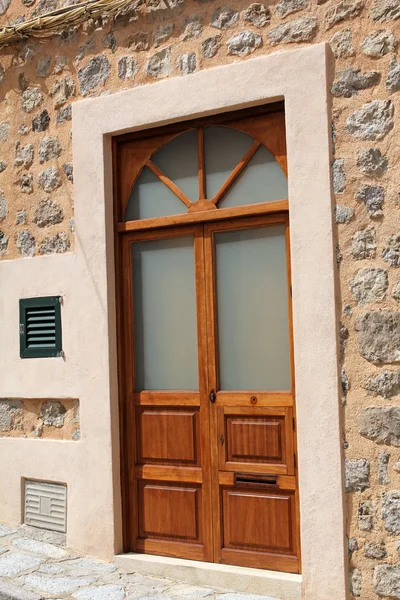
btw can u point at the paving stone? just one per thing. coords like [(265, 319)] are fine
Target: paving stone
[(55, 585), (13, 564), (181, 589), (50, 569), (42, 535), (83, 566), (102, 592), (11, 592), (4, 530), (232, 596), (42, 548)]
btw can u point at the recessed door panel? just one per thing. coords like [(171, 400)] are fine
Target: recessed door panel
[(259, 526), (170, 511), (257, 439), (168, 435), (267, 525)]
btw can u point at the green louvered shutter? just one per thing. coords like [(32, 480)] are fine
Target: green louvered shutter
[(40, 327)]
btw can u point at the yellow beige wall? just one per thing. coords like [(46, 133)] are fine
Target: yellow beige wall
[(40, 79)]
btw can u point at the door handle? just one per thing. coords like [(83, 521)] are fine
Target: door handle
[(212, 396)]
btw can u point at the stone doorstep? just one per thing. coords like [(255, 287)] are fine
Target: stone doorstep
[(272, 585)]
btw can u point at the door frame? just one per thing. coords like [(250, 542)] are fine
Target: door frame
[(288, 75)]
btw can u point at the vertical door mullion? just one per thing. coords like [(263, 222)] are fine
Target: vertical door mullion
[(212, 368), (203, 388)]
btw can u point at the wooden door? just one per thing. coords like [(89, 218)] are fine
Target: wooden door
[(252, 417), (205, 346), (168, 436)]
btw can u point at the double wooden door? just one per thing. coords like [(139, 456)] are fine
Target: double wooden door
[(209, 421)]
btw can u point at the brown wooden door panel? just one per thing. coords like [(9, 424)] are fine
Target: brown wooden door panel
[(258, 439), (168, 435), (264, 534), (170, 511)]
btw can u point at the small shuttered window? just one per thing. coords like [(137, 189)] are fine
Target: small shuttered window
[(40, 327)]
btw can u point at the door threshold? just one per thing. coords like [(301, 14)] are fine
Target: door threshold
[(281, 586)]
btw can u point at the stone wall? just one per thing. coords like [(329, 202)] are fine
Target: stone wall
[(40, 79), (41, 419)]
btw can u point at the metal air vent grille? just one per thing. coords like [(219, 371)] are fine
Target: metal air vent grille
[(46, 505)]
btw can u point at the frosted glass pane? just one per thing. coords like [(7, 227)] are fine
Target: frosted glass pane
[(261, 181), (178, 159), (224, 147), (150, 197), (252, 309), (165, 314)]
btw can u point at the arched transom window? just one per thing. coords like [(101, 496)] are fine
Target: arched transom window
[(207, 168)]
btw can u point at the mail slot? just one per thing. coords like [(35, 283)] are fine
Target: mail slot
[(250, 480)]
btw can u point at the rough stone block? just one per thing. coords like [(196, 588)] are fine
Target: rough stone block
[(356, 472), (379, 336), (381, 424), (369, 285)]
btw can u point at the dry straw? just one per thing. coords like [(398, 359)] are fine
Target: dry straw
[(54, 21)]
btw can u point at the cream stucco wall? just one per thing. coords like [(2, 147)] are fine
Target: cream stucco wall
[(86, 281)]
